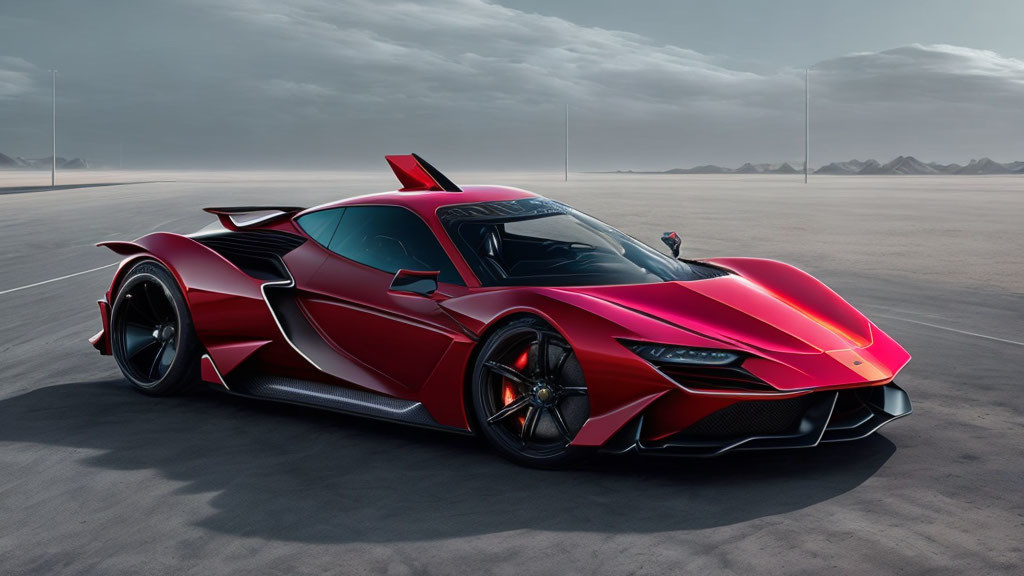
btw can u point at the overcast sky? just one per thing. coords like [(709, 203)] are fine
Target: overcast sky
[(473, 83)]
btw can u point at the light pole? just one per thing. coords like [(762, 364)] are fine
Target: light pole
[(567, 142), (53, 151), (807, 121)]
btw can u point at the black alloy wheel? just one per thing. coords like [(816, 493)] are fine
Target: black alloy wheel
[(152, 337), (529, 394)]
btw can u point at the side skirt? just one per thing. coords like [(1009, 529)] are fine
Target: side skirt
[(337, 399)]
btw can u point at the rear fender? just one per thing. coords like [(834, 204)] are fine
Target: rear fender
[(135, 253), (226, 304)]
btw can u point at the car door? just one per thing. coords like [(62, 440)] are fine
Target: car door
[(400, 336)]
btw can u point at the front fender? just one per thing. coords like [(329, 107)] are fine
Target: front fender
[(621, 384)]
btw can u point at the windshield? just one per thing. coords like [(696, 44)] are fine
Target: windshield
[(540, 242)]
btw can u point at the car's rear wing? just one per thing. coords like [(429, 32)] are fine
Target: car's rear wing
[(238, 217)]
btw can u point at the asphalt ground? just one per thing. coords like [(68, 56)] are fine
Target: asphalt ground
[(98, 479)]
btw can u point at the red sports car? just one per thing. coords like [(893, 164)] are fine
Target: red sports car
[(491, 310)]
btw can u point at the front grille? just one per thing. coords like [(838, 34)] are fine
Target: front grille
[(752, 418)]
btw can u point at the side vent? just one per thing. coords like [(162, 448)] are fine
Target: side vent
[(256, 252)]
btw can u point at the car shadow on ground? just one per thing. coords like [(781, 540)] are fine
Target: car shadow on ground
[(293, 474)]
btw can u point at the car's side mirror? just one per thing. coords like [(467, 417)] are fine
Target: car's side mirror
[(671, 239), (415, 282)]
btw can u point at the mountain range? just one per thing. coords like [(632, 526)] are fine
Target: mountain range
[(748, 168), (902, 165), (40, 163)]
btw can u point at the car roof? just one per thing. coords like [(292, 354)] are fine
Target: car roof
[(426, 203)]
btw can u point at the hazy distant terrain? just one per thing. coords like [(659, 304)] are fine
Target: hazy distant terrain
[(899, 166), (17, 162)]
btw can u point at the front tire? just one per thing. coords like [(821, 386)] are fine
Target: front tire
[(529, 396), (152, 337)]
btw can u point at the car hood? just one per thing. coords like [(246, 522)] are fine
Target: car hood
[(741, 312)]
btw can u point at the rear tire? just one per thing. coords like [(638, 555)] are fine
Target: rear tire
[(152, 337), (529, 396)]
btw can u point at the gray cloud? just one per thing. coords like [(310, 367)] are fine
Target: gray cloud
[(912, 73), (939, 101), (288, 90), (467, 83), (480, 54), (15, 77)]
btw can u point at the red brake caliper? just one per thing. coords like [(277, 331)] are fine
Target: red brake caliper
[(508, 388)]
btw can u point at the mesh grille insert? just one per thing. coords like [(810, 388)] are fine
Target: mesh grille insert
[(752, 418)]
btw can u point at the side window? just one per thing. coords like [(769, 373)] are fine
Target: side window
[(321, 225), (391, 238)]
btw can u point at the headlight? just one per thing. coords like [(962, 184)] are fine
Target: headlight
[(666, 354)]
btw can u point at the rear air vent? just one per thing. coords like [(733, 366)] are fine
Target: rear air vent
[(256, 252)]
